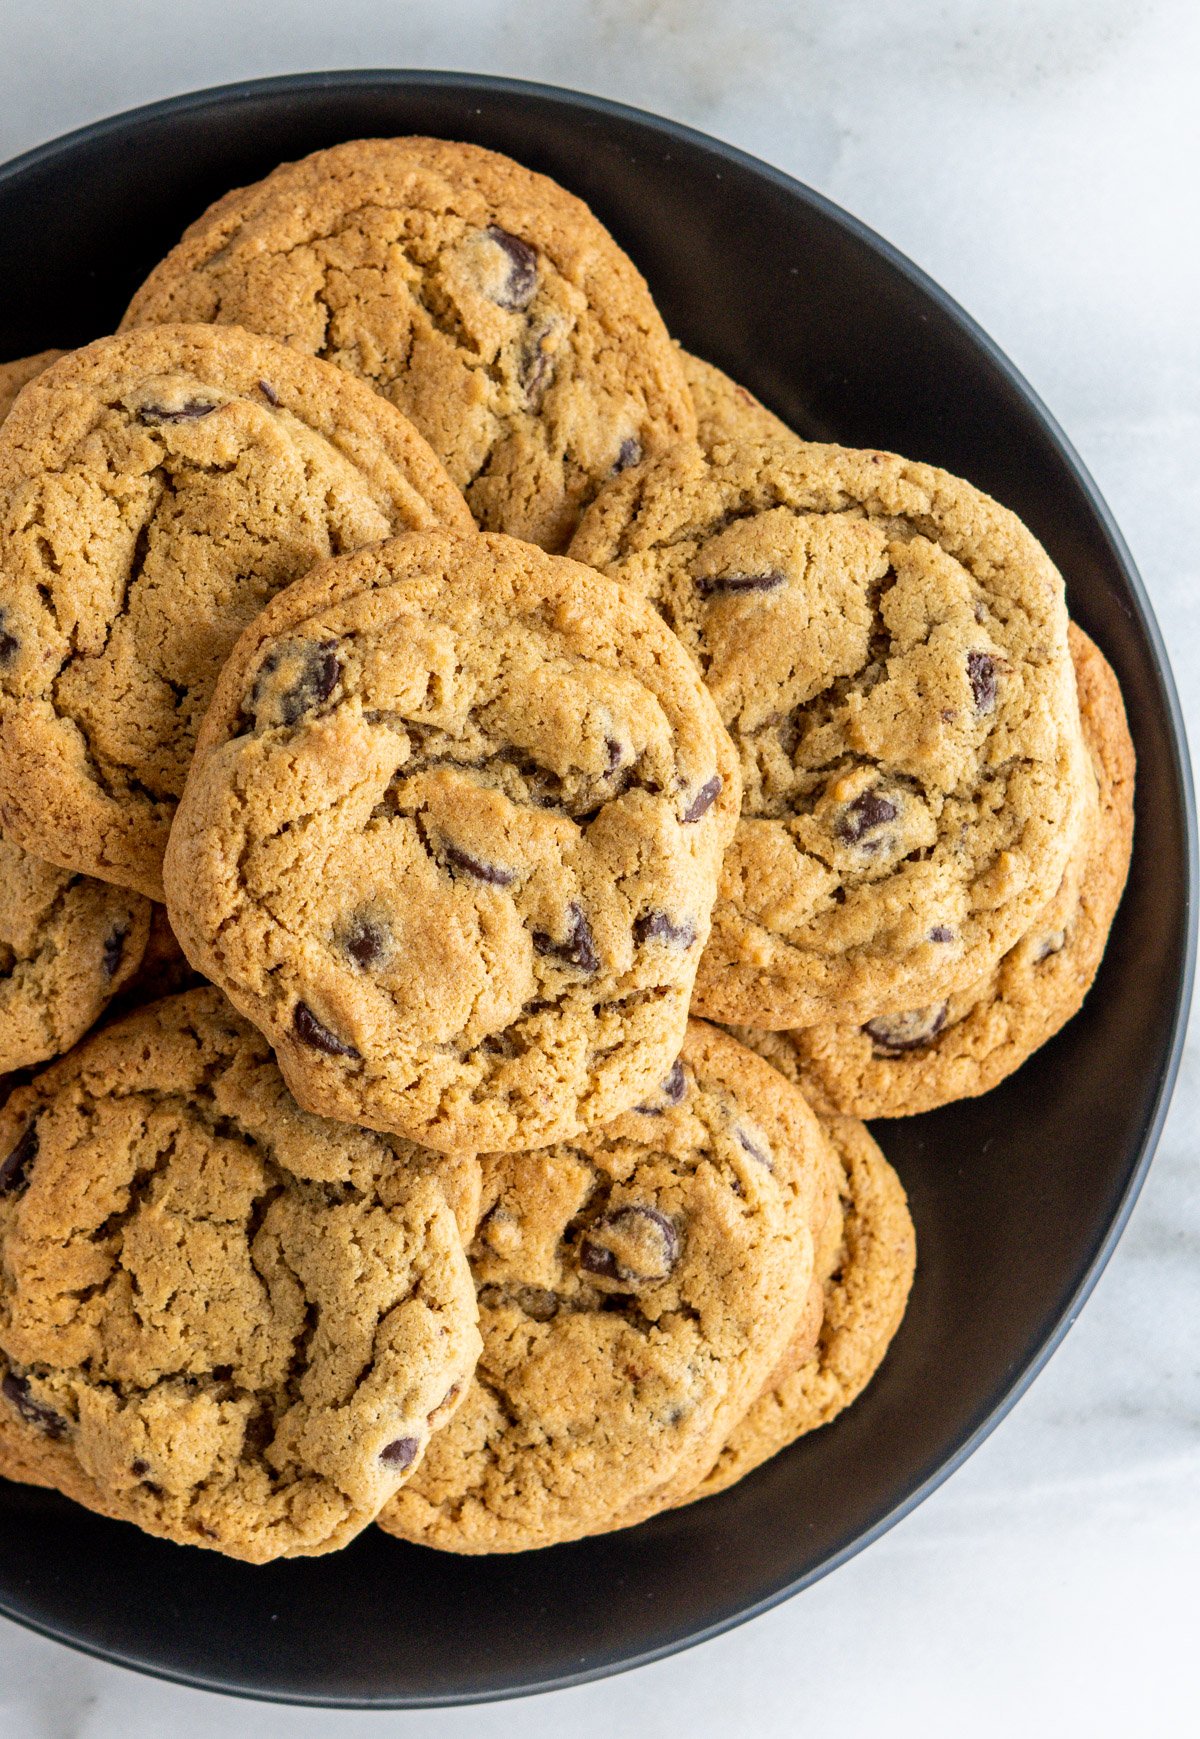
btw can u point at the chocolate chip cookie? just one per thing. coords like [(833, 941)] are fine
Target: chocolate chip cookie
[(865, 1298), (68, 945), (888, 649), (220, 1318), (969, 1041), (483, 300), (451, 840), (636, 1288), (155, 491), (726, 413), (14, 375)]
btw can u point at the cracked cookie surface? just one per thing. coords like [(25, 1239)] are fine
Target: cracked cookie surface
[(155, 491), (968, 1042), (482, 299), (222, 1319), (68, 945), (452, 837), (18, 373), (636, 1288), (869, 1274), (888, 649)]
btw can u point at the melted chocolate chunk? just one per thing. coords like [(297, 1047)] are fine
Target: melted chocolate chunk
[(981, 673), (675, 1085), (1048, 945), (521, 280), (863, 816), (9, 644), (475, 866), (16, 1390), (656, 926), (628, 453), (366, 942), (615, 753), (704, 799), (635, 1245), (139, 1468), (893, 1034), (114, 948), (712, 584), (308, 1027), (316, 682), (579, 949), (268, 392), (191, 412), (672, 1091), (750, 1146), (400, 1454), (536, 368), (14, 1171)]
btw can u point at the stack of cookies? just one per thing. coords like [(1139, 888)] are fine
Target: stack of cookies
[(429, 701)]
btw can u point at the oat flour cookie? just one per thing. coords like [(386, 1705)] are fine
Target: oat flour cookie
[(636, 1288), (220, 1318), (967, 1042), (482, 299), (865, 1298), (452, 838), (888, 648), (155, 491), (68, 945), (727, 413), (14, 375)]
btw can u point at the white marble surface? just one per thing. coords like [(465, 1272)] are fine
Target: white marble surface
[(1039, 158)]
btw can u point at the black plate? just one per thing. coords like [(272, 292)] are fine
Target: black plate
[(1019, 1198)]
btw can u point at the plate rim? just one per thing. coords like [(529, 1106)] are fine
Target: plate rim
[(244, 90)]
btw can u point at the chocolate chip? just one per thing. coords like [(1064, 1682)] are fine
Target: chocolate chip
[(400, 1454), (863, 816), (114, 948), (981, 673), (268, 392), (9, 644), (704, 799), (750, 1146), (893, 1034), (475, 866), (316, 682), (656, 926), (452, 1394), (636, 1245), (15, 1169), (711, 584), (309, 1028), (615, 753), (628, 453), (16, 1390), (579, 949), (675, 1085), (191, 412), (1049, 944), (536, 368), (522, 276), (139, 1468), (941, 933), (672, 1091), (366, 942)]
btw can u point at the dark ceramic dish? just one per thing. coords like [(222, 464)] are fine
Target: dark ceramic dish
[(1019, 1198)]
